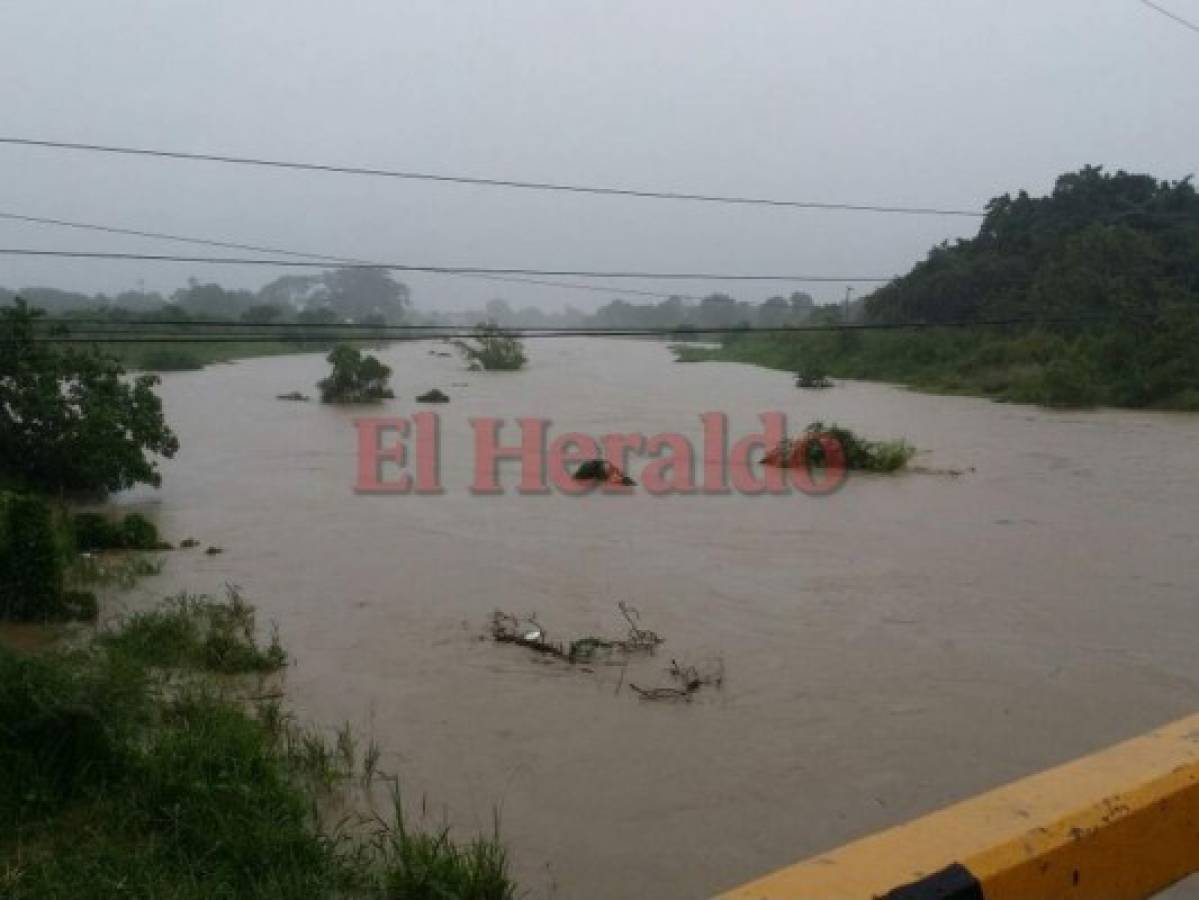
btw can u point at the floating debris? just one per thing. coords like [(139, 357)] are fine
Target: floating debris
[(688, 679), (293, 395), (507, 628), (433, 396), (188, 543)]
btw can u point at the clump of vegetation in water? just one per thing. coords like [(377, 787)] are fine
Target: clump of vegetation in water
[(117, 774), (812, 376), (436, 395), (857, 452), (70, 421), (494, 349), (355, 378)]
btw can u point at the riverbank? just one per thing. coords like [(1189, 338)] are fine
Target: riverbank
[(190, 355), (151, 757), (1038, 367)]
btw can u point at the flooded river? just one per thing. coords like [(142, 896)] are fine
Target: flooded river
[(900, 644)]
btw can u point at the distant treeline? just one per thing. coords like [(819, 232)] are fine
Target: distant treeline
[(712, 311), (1103, 274), (302, 313), (364, 296)]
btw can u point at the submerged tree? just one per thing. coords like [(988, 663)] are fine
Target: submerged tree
[(356, 377), (494, 349), (70, 420)]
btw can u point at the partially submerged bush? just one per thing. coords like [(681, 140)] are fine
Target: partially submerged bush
[(857, 453), (356, 377), (494, 349), (812, 375)]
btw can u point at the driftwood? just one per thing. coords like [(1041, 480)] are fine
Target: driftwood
[(687, 680), (507, 628)]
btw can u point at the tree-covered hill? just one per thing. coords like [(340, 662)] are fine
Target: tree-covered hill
[(1100, 244), (1101, 279)]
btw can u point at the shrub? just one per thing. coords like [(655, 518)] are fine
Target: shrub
[(32, 559), (494, 349), (95, 532), (355, 378), (860, 454), (867, 456)]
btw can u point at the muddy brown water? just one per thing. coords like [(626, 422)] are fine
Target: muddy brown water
[(903, 643)]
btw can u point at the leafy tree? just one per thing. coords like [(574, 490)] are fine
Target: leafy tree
[(356, 293), (494, 349), (355, 378), (70, 421), (262, 314), (212, 300)]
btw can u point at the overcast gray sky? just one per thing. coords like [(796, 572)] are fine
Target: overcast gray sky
[(924, 102)]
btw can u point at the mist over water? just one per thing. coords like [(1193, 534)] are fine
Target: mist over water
[(902, 643)]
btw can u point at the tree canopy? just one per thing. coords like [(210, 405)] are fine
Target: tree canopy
[(70, 421), (355, 378), (494, 349), (1099, 281)]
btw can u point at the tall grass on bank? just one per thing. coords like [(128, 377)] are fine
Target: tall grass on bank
[(197, 632), (126, 769)]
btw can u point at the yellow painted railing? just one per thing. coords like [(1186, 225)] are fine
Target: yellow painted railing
[(1117, 825)]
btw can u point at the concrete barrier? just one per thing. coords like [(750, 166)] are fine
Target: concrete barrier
[(1117, 825)]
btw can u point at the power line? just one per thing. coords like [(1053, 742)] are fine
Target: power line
[(451, 331), (1177, 18), (644, 194), (447, 270), (139, 326), (258, 248)]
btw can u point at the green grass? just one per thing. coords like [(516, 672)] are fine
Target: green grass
[(119, 777), (197, 632)]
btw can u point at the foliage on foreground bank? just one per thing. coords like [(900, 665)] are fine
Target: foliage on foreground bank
[(120, 773)]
